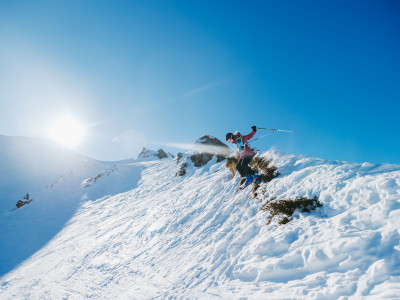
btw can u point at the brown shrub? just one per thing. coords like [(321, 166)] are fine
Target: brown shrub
[(288, 207), (262, 166), (255, 188), (182, 170), (231, 163), (259, 164)]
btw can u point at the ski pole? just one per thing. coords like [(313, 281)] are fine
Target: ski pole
[(276, 129), (261, 136)]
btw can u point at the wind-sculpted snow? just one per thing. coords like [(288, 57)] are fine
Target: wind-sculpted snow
[(210, 149), (186, 237)]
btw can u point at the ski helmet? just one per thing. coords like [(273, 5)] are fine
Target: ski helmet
[(229, 136)]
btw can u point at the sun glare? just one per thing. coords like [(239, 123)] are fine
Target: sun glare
[(67, 131)]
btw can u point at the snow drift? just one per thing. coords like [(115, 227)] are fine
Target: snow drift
[(139, 231)]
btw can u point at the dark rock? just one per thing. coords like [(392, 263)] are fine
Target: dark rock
[(147, 154), (201, 159), (206, 147), (161, 154), (211, 145), (26, 200), (202, 152), (182, 169), (179, 157)]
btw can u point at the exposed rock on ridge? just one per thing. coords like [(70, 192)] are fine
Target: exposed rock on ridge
[(151, 154), (206, 147), (203, 150)]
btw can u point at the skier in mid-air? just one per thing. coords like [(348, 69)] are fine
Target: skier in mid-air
[(246, 155)]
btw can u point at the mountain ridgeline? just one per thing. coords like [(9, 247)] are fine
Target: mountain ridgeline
[(204, 150), (147, 154), (160, 226)]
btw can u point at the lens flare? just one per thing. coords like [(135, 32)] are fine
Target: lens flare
[(67, 131)]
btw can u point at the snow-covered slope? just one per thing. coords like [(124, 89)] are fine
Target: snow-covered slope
[(52, 176), (195, 236), (29, 165)]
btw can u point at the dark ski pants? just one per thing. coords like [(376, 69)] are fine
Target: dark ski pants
[(243, 166)]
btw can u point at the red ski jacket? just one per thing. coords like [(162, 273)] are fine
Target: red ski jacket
[(242, 146)]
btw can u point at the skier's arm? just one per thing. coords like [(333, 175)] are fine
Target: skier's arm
[(249, 136)]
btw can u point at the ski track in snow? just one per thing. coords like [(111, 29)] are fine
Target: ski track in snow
[(175, 237)]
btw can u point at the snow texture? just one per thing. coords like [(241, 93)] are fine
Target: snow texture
[(134, 230)]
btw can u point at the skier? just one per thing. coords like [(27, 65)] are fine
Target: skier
[(246, 155)]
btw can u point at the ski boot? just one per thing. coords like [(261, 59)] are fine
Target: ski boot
[(255, 178), (249, 179)]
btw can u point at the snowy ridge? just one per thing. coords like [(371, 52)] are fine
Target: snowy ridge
[(186, 237), (147, 155)]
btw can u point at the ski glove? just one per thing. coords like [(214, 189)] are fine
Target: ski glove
[(254, 128)]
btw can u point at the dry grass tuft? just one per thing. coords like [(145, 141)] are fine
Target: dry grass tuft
[(263, 167), (287, 207), (231, 163)]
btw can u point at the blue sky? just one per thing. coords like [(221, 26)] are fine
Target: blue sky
[(163, 73)]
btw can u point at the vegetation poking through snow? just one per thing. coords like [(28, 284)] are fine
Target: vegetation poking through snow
[(179, 157), (231, 163), (182, 169), (263, 167), (259, 164), (285, 208), (255, 188)]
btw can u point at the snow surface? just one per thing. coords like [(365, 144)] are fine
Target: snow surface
[(134, 230)]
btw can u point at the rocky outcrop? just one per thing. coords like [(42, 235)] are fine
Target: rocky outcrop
[(203, 150), (206, 147), (147, 154), (161, 154), (26, 200)]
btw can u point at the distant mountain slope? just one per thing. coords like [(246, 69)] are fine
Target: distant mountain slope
[(147, 154), (29, 165), (58, 180), (195, 236)]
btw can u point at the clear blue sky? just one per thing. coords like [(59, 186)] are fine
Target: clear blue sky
[(158, 73)]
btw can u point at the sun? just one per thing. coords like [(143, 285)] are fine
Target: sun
[(67, 131)]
